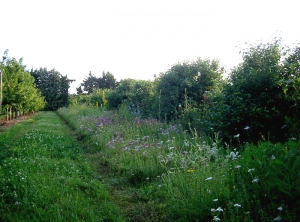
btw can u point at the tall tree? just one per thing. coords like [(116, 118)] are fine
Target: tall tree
[(91, 82), (54, 87)]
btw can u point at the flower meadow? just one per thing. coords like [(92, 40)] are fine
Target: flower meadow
[(160, 172)]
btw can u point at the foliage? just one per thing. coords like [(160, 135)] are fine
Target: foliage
[(96, 98), (91, 82), (184, 177), (19, 90), (137, 94), (267, 182), (190, 79), (254, 107), (54, 87)]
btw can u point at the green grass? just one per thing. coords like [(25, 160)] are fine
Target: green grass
[(131, 169), (45, 177), (159, 172)]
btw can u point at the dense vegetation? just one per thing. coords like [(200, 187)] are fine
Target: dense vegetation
[(190, 145), (19, 92), (53, 86), (261, 95), (159, 172)]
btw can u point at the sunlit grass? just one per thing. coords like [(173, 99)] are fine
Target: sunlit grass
[(45, 177)]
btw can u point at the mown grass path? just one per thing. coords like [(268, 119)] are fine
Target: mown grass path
[(44, 175)]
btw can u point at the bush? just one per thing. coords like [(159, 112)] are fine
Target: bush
[(254, 107)]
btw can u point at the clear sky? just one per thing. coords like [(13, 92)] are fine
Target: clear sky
[(139, 38)]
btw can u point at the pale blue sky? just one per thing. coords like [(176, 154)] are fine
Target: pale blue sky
[(137, 38)]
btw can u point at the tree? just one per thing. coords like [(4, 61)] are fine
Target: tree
[(187, 80), (107, 81), (91, 82), (255, 107), (54, 87), (19, 89)]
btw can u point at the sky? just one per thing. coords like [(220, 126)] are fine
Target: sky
[(139, 38)]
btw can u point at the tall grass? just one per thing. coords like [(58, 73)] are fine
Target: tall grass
[(185, 177)]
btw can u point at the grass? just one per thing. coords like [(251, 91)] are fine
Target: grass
[(45, 177), (159, 172), (133, 169)]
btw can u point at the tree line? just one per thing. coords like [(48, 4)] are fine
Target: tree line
[(25, 91), (259, 100)]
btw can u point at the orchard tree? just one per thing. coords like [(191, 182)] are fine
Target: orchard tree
[(19, 89)]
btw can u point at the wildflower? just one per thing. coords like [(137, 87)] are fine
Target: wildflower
[(183, 163), (184, 152), (209, 178), (273, 157), (215, 200), (277, 218), (280, 208), (247, 127), (238, 166), (251, 170), (219, 209), (236, 136), (233, 155), (216, 218), (255, 180), (237, 205), (191, 170)]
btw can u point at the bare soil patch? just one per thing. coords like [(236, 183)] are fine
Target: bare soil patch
[(5, 124)]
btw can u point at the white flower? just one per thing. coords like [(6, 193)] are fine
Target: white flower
[(251, 170), (209, 178), (215, 200), (237, 205), (216, 218), (233, 155), (280, 208), (238, 166), (273, 157), (255, 180), (236, 136), (277, 218), (219, 209), (247, 127)]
